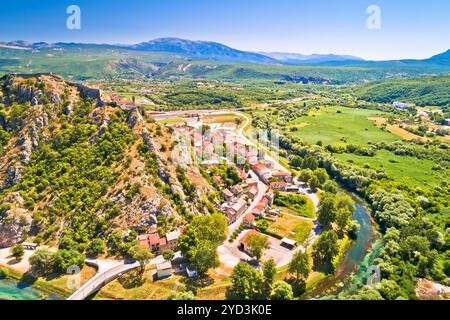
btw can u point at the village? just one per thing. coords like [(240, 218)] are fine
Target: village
[(251, 199)]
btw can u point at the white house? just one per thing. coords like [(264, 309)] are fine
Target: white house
[(400, 105), (164, 269)]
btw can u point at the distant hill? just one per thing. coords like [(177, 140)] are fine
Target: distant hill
[(443, 58), (202, 50), (172, 57), (297, 58)]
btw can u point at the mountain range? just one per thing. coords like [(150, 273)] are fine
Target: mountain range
[(214, 51), (174, 57)]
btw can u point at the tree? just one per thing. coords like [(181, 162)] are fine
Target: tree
[(367, 293), (42, 261), (213, 228), (142, 255), (296, 162), (327, 210), (390, 290), (204, 256), (310, 163), (331, 187), (257, 244), (306, 175), (168, 255), (188, 295), (200, 240), (282, 291), (246, 282), (96, 247), (299, 265), (67, 258), (321, 175), (353, 229), (17, 252), (269, 271), (314, 183), (326, 248)]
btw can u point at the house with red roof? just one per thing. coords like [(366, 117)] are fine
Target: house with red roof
[(227, 195), (252, 192), (278, 185), (249, 220), (243, 242), (283, 176)]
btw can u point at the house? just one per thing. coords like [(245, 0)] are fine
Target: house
[(292, 188), (155, 242), (172, 240), (242, 174), (252, 192), (234, 210), (270, 196), (265, 201), (164, 269), (243, 243), (237, 190), (260, 169), (158, 244), (259, 210), (283, 176), (227, 195), (277, 185), (269, 164), (249, 220), (400, 105), (251, 183), (217, 180)]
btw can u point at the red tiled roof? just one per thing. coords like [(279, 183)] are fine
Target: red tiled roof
[(281, 174), (250, 217), (260, 207), (153, 238), (244, 239)]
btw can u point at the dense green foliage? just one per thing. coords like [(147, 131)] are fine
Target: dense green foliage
[(423, 91)]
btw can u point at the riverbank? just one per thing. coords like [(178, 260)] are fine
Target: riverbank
[(53, 285), (23, 281), (353, 260)]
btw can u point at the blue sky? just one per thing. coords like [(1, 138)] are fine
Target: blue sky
[(410, 28)]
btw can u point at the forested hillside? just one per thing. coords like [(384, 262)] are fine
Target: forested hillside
[(76, 171), (423, 91)]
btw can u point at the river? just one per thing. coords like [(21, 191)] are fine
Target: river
[(13, 290), (351, 270)]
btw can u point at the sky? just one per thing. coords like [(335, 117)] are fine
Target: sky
[(409, 28)]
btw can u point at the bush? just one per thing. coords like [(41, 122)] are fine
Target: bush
[(42, 261), (17, 251), (96, 247), (282, 291), (67, 258)]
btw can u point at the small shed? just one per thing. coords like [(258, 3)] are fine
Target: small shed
[(164, 269), (30, 245), (288, 243)]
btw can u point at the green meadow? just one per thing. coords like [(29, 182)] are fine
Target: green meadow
[(340, 126), (400, 167)]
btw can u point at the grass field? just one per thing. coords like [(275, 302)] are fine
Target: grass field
[(292, 227), (131, 288), (419, 171), (351, 126), (303, 210)]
